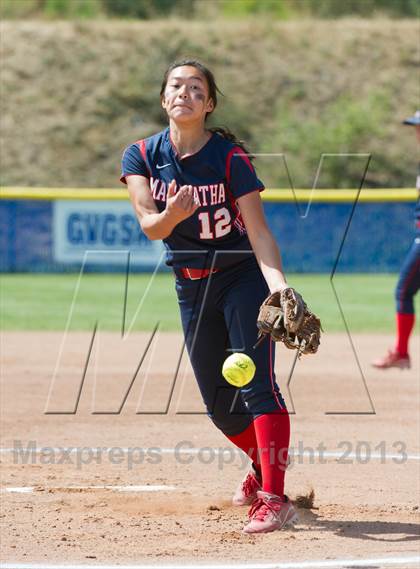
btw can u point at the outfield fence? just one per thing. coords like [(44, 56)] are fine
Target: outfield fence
[(61, 229)]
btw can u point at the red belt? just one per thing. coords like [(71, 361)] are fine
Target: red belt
[(196, 274)]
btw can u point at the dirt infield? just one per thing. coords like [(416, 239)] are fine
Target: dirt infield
[(90, 506)]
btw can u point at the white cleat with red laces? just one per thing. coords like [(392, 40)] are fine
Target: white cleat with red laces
[(269, 513), (246, 492)]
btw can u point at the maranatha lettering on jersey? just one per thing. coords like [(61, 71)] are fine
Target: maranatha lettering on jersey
[(211, 194)]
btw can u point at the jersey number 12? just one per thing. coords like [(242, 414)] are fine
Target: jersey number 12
[(222, 225)]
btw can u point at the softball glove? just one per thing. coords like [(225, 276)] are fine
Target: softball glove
[(286, 318)]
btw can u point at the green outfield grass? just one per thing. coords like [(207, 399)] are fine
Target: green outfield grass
[(44, 302)]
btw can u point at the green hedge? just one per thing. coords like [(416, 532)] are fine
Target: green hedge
[(149, 9)]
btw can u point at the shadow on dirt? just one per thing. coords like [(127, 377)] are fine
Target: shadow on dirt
[(370, 530)]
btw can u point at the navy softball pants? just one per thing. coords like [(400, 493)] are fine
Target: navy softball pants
[(409, 280), (219, 316)]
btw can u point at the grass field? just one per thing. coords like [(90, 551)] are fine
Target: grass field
[(43, 302), (97, 509)]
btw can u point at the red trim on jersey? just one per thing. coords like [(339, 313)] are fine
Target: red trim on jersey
[(228, 161), (238, 221), (142, 147), (236, 150)]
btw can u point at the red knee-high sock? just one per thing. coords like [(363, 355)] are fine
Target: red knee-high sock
[(247, 441), (405, 323), (273, 435)]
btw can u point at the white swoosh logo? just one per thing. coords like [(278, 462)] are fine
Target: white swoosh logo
[(163, 166)]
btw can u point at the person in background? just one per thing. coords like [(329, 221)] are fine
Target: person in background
[(407, 287)]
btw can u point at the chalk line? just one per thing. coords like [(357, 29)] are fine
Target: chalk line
[(321, 564), (140, 488)]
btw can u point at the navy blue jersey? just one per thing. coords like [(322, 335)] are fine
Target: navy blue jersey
[(220, 173), (417, 210)]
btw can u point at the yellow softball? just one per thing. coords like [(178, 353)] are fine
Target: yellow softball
[(238, 369)]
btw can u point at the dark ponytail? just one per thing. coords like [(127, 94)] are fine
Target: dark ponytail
[(213, 91), (226, 133)]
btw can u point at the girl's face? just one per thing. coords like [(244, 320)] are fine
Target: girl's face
[(186, 97)]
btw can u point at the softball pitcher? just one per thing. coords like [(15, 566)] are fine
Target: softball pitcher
[(196, 189)]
